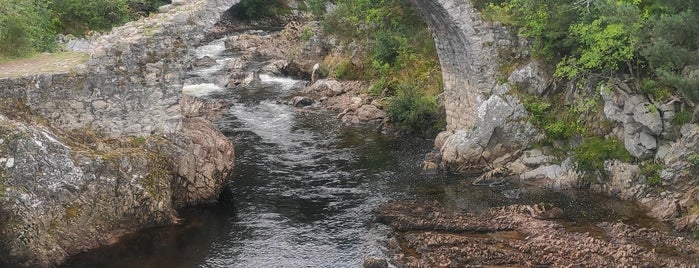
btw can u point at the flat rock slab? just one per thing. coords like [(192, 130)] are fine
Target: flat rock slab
[(428, 235)]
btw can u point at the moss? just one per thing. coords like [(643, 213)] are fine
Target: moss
[(72, 211), (138, 141), (2, 184), (156, 183)]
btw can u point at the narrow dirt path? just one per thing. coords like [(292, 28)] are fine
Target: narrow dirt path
[(43, 63)]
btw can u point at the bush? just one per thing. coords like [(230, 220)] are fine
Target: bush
[(658, 91), (317, 7), (681, 118), (28, 26), (255, 9), (25, 28), (694, 159), (142, 8), (400, 58), (652, 173), (78, 16), (411, 110), (593, 151)]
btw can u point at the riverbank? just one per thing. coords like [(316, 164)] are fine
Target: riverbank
[(426, 234)]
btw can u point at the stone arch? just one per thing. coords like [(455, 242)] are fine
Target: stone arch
[(468, 47)]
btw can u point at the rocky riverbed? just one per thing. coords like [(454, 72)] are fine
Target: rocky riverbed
[(429, 235)]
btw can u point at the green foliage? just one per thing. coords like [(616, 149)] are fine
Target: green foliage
[(400, 57), (651, 38), (673, 50), (593, 151), (412, 110), (682, 117), (651, 171), (537, 107), (381, 87), (25, 28), (656, 90), (658, 38), (29, 26), (345, 69), (603, 42), (694, 159), (78, 16), (316, 7), (546, 22), (306, 34), (255, 9), (696, 233), (558, 123)]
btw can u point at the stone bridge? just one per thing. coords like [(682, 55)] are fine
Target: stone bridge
[(89, 155)]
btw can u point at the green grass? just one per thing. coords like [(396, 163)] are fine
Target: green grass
[(651, 171)]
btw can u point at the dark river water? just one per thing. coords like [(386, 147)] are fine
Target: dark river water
[(304, 187)]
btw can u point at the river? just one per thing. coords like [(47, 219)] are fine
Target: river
[(304, 187)]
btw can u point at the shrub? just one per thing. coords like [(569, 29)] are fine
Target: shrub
[(412, 110), (384, 48), (25, 28), (382, 86), (255, 9), (593, 151), (401, 57), (658, 91), (78, 16), (142, 8), (306, 34), (681, 118), (317, 7), (694, 159), (652, 173)]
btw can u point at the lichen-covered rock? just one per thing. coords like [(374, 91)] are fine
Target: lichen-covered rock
[(60, 198), (501, 129), (532, 77), (86, 157), (641, 120), (624, 181), (679, 177), (555, 176)]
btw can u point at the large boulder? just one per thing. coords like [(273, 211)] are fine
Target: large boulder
[(90, 155), (644, 123), (59, 198), (501, 129), (534, 77)]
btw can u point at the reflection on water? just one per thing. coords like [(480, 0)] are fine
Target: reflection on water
[(303, 191)]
